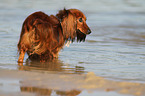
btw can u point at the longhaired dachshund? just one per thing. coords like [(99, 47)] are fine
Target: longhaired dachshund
[(43, 36)]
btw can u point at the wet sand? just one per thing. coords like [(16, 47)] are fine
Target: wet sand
[(47, 83)]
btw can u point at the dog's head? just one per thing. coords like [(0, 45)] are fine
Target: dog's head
[(73, 23)]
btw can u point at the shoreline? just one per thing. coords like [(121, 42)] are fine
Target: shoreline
[(31, 83)]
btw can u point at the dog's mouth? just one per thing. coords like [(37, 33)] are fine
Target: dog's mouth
[(80, 36)]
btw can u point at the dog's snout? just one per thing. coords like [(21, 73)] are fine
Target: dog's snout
[(89, 31)]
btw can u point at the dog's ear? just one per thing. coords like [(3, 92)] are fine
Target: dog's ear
[(68, 23)]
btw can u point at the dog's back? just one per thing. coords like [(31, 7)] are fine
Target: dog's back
[(40, 36)]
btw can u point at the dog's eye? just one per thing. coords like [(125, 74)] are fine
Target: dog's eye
[(81, 20)]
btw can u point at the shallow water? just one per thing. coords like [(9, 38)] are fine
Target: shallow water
[(114, 50)]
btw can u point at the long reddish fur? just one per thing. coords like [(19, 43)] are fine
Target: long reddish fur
[(43, 36)]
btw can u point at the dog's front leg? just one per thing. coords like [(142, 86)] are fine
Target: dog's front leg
[(21, 56)]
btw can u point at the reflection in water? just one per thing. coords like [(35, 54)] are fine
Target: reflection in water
[(49, 92), (68, 93), (36, 65), (39, 91), (54, 66)]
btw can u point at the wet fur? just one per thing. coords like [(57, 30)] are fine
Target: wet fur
[(43, 36)]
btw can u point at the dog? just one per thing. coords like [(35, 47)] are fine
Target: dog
[(43, 36)]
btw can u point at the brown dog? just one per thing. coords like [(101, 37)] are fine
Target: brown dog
[(43, 36)]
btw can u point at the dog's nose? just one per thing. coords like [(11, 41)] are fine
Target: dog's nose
[(89, 31)]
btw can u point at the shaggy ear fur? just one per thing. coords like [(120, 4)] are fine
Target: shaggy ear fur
[(68, 23)]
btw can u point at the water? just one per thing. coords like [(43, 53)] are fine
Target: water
[(115, 49)]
